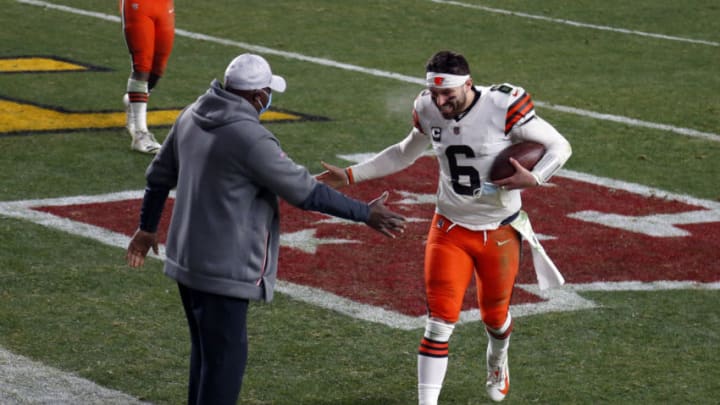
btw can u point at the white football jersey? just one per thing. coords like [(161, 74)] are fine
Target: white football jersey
[(466, 148)]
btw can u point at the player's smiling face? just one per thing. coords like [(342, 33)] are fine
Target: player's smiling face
[(451, 101)]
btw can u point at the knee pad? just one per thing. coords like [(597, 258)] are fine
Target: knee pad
[(438, 331)]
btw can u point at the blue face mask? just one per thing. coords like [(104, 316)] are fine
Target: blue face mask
[(266, 107)]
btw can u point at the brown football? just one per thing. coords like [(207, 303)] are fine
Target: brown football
[(526, 153)]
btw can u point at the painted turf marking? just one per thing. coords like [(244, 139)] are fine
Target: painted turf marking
[(561, 299), (390, 75), (577, 24), (24, 381), (658, 225), (557, 300)]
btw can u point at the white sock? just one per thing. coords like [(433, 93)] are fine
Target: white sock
[(138, 103), (432, 361), (499, 347), (138, 112), (431, 373), (428, 394)]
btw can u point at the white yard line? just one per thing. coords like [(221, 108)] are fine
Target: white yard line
[(390, 75), (24, 381), (577, 23), (631, 121)]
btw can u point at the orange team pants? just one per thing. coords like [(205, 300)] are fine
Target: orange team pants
[(149, 27), (452, 254)]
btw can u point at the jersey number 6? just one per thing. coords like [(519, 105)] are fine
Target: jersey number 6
[(456, 171)]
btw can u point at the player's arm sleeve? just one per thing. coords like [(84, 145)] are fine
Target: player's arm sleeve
[(557, 148), (272, 169), (392, 159)]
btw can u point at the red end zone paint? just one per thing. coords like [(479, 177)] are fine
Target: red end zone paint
[(355, 262)]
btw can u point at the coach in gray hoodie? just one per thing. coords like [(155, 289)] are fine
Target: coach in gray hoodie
[(223, 242)]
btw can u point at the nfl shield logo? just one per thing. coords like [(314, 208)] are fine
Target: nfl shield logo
[(456, 130)]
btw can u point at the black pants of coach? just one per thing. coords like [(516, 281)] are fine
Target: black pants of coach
[(218, 355)]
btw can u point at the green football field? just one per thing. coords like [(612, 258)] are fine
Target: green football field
[(634, 87)]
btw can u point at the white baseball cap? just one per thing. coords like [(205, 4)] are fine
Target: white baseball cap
[(252, 72)]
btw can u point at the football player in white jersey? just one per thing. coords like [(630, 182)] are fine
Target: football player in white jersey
[(467, 126)]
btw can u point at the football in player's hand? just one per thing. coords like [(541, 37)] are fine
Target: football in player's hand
[(526, 153)]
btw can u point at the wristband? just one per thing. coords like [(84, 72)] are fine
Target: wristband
[(349, 174)]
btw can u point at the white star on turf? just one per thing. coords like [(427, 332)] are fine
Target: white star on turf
[(415, 198), (340, 221), (306, 241)]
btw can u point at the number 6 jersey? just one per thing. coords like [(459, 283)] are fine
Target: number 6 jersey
[(466, 147)]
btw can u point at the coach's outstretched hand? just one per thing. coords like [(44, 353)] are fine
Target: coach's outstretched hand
[(383, 220), (139, 246)]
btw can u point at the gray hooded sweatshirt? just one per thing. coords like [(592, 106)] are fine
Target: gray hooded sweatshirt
[(228, 171)]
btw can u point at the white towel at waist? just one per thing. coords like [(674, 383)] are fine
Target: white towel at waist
[(548, 275)]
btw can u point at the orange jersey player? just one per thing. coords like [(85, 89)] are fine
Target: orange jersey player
[(477, 224), (149, 29)]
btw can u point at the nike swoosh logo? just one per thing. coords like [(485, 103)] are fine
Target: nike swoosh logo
[(505, 390), (502, 242)]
